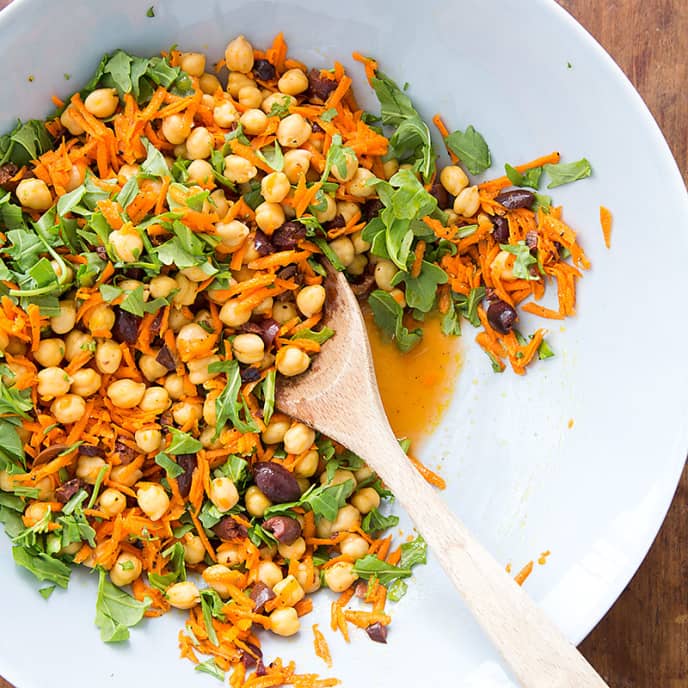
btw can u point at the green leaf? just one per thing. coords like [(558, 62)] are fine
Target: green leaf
[(420, 291), (389, 317), (328, 115), (545, 351), (376, 522), (567, 172), (26, 142), (322, 244), (172, 468), (268, 387), (183, 443), (228, 407), (414, 553), (109, 292), (42, 565), (280, 109), (133, 302), (468, 306), (371, 567), (541, 201), (338, 157), (176, 562), (397, 590), (326, 501), (450, 323), (529, 178), (273, 156), (47, 591), (211, 605), (321, 336), (471, 148), (210, 667), (154, 164), (116, 611), (150, 12), (524, 259), (236, 469)]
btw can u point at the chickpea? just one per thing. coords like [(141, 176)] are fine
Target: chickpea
[(293, 82), (162, 286), (108, 357), (126, 570), (453, 179), (155, 399), (358, 186), (210, 409), (200, 172), (34, 194), (239, 55), (348, 518), (250, 96), (225, 114), (194, 551), (69, 122), (340, 576), (186, 291), (148, 440), (385, 270), (269, 573), (65, 320), (231, 554), (112, 502), (129, 285), (366, 499), (296, 163), (275, 187), (52, 382), (127, 244), (248, 348), (285, 622), (289, 590), (292, 361), (390, 167), (256, 501), (175, 129), (199, 144), (207, 438), (153, 500), (360, 245), (195, 273), (348, 210), (307, 465), (174, 384), (209, 83), (294, 551), (187, 412), (102, 318), (223, 494), (329, 212), (183, 595), (358, 265), (363, 474), (192, 340), (269, 216), (76, 177), (354, 546), (236, 81), (177, 318), (344, 250), (126, 393), (232, 234), (218, 577), (311, 299), (298, 439), (467, 202), (238, 169), (7, 481), (193, 64), (341, 475), (264, 307), (279, 99), (284, 311), (86, 382), (68, 408), (35, 512), (88, 468), (350, 167), (126, 172), (276, 429), (294, 130), (198, 369), (309, 584), (150, 368), (125, 475)]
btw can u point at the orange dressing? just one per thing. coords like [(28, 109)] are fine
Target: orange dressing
[(416, 386)]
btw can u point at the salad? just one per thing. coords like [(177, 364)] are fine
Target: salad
[(161, 267)]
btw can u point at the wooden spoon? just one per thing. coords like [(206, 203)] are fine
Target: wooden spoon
[(339, 397)]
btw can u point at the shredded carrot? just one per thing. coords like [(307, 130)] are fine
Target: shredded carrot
[(523, 574), (606, 222)]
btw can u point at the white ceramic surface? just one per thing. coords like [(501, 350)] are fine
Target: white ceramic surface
[(594, 494)]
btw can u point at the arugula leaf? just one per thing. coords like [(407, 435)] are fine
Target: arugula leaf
[(235, 468), (411, 140), (26, 142), (183, 443), (325, 501), (273, 156), (545, 351), (150, 12), (175, 556), (210, 515), (11, 216), (10, 514), (414, 553), (154, 164), (116, 611), (209, 666), (172, 468), (567, 172), (338, 157), (280, 109), (389, 317), (47, 591), (42, 565), (542, 201), (211, 605), (259, 536), (321, 336), (529, 178), (397, 590), (468, 306), (471, 148), (268, 388), (450, 323), (227, 405), (328, 115), (524, 259), (421, 290), (371, 567), (375, 522), (346, 460)]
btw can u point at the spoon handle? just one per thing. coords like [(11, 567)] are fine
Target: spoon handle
[(536, 651)]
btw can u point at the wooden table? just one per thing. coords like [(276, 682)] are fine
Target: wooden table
[(643, 641)]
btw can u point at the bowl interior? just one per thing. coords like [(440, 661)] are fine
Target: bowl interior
[(580, 457)]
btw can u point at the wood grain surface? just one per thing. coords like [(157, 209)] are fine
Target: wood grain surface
[(643, 641)]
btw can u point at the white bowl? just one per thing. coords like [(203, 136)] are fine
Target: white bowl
[(532, 81)]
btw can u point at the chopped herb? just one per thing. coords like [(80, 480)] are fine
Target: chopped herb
[(150, 12), (567, 172), (172, 468), (228, 407), (210, 667), (544, 350), (329, 115), (47, 591), (529, 178), (375, 522), (183, 443)]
